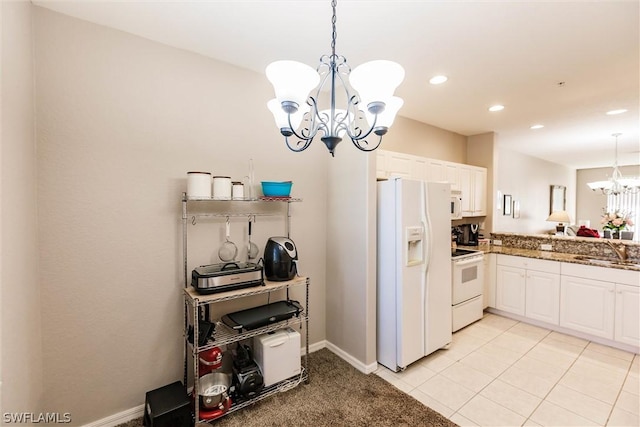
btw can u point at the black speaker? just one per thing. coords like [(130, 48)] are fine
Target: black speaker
[(167, 406)]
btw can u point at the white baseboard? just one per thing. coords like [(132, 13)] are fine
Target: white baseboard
[(365, 369), (138, 411), (314, 347), (119, 418)]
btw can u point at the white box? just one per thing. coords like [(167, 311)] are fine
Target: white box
[(278, 355)]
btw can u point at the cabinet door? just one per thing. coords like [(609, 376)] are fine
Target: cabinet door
[(510, 289), (398, 164), (381, 164), (436, 171), (452, 175), (480, 192), (419, 168), (543, 296), (466, 187), (489, 291), (587, 305), (627, 324)]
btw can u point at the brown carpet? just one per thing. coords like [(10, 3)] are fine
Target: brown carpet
[(338, 395)]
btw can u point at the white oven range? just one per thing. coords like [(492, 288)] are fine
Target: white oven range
[(467, 282)]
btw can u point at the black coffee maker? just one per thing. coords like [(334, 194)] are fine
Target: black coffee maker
[(469, 235), (280, 259)]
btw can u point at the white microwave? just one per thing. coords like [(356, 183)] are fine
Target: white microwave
[(456, 204)]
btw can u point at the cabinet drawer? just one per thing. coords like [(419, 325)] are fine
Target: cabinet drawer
[(529, 263), (466, 313), (614, 275)]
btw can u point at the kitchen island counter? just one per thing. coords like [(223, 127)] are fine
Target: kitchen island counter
[(599, 261), (577, 250)]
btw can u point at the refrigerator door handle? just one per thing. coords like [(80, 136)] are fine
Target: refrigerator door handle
[(426, 224)]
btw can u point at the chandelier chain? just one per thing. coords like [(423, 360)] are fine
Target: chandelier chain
[(334, 33)]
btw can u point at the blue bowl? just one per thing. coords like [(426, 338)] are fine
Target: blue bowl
[(276, 188)]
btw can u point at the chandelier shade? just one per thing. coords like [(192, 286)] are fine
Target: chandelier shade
[(376, 80), (385, 119), (282, 118), (367, 108), (616, 184), (292, 80)]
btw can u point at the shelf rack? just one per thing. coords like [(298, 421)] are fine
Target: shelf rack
[(213, 208)]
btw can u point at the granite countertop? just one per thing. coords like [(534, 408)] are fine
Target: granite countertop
[(564, 257), (598, 261)]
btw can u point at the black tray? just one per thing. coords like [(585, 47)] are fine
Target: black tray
[(263, 315)]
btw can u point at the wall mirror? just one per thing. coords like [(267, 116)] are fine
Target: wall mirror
[(506, 204), (558, 198)]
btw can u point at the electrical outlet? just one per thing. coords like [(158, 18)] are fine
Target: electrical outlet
[(546, 247), (497, 242)]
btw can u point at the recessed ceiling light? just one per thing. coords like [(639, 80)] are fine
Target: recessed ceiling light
[(536, 127), (436, 80), (496, 107), (614, 112)]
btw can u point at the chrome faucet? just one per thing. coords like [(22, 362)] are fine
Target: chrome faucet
[(622, 254)]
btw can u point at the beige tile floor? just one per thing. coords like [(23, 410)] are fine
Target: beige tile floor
[(501, 372)]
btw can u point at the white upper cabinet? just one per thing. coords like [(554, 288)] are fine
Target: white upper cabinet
[(399, 164), (470, 180), (390, 164), (473, 184), (442, 171)]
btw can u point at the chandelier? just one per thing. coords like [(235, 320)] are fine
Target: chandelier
[(374, 81), (617, 184)]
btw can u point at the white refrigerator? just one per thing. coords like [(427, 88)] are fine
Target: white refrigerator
[(413, 270)]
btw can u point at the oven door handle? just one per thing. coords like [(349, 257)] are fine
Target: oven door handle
[(473, 260)]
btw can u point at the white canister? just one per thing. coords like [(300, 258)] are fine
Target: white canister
[(237, 190), (222, 187), (199, 185)]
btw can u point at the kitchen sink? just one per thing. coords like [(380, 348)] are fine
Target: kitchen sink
[(606, 261)]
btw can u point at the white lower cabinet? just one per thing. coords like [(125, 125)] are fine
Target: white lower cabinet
[(603, 302), (510, 289), (587, 305), (543, 296), (528, 287), (489, 291), (598, 301), (627, 321)]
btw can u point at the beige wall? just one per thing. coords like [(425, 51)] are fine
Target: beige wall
[(481, 151), (528, 179), (351, 283), (591, 203), (120, 121), (20, 347), (420, 139)]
